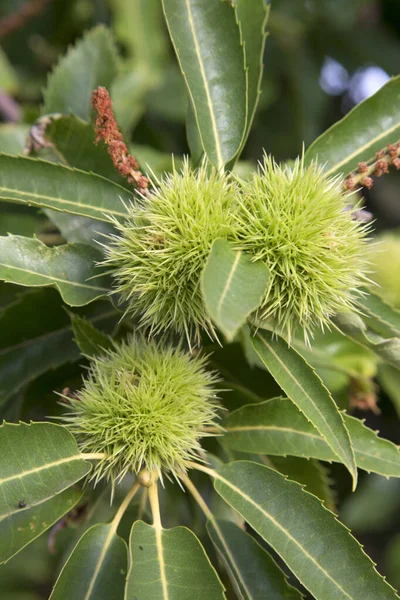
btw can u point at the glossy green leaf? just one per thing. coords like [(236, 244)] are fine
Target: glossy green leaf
[(70, 268), (389, 381), (303, 386), (91, 341), (277, 427), (208, 46), (233, 286), (349, 141), (27, 524), (96, 568), (252, 19), (354, 327), (308, 472), (74, 143), (90, 63), (37, 462), (380, 316), (253, 572), (169, 564), (37, 336), (291, 521), (41, 183)]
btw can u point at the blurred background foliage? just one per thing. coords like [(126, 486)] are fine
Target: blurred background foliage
[(321, 59)]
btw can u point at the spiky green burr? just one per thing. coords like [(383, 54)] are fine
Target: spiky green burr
[(145, 406)]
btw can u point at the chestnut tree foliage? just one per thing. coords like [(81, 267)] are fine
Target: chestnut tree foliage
[(183, 338)]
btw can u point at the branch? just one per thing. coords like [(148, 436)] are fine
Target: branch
[(17, 19)]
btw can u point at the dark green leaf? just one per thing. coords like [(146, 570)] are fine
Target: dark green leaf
[(303, 386), (92, 62), (277, 427), (349, 141), (252, 570), (291, 521), (37, 462), (70, 268), (310, 473), (37, 336), (389, 381), (41, 183), (207, 43), (233, 287), (96, 568), (169, 564), (252, 18), (90, 340), (27, 524)]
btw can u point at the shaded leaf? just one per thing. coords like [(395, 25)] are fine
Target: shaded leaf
[(70, 268), (207, 43), (96, 568), (90, 63), (252, 19), (252, 570), (389, 381), (41, 183), (37, 462), (381, 317), (303, 386), (27, 524), (169, 564), (233, 286), (310, 473), (91, 341), (291, 521), (353, 327), (277, 427), (349, 141), (37, 336)]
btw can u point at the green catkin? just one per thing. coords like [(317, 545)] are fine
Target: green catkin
[(145, 406)]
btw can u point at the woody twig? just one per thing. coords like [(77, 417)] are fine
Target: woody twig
[(107, 130)]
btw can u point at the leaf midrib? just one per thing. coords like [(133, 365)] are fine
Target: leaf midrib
[(281, 528)]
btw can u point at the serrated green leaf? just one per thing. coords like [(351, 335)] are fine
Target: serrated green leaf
[(303, 386), (207, 43), (41, 183), (37, 336), (252, 19), (37, 462), (381, 317), (277, 427), (90, 63), (353, 327), (233, 286), (24, 526), (308, 472), (70, 268), (96, 568), (291, 520), (349, 141), (253, 572), (91, 341), (169, 564)]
